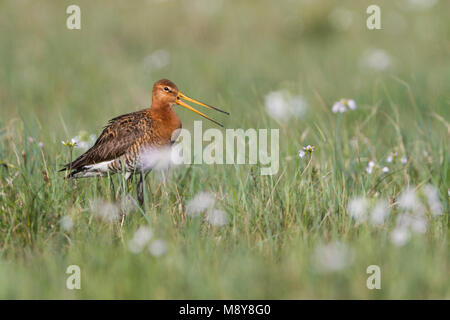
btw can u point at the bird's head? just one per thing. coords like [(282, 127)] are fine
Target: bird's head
[(165, 92)]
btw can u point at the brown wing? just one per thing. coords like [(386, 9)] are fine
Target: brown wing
[(117, 137)]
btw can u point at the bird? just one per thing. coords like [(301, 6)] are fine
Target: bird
[(125, 138)]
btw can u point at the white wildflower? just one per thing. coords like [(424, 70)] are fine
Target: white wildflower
[(301, 153), (357, 208), (370, 167), (83, 145), (140, 239), (377, 60), (351, 104), (282, 106), (332, 257), (66, 223), (380, 212), (157, 248), (342, 105), (404, 160), (414, 222), (200, 203), (217, 218), (162, 158), (157, 60), (338, 107), (412, 219), (385, 169), (408, 200), (400, 236), (432, 195), (309, 149), (391, 157), (84, 141), (70, 143)]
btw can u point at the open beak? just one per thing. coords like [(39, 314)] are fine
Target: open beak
[(184, 104)]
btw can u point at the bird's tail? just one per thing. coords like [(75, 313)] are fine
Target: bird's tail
[(70, 171)]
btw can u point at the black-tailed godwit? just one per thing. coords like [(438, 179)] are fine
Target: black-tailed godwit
[(125, 137)]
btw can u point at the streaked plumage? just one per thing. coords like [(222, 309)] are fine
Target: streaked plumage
[(120, 144)]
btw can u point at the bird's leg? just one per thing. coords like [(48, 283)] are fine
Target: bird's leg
[(130, 178), (140, 191), (112, 187)]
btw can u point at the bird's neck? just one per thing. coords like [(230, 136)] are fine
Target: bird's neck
[(165, 116), (161, 110)]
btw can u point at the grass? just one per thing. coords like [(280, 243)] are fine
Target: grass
[(55, 82)]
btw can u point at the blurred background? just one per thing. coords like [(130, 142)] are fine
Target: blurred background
[(228, 53), (272, 64)]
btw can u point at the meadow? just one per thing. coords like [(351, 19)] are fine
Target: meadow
[(375, 190)]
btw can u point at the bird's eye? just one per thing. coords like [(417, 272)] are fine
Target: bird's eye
[(166, 89)]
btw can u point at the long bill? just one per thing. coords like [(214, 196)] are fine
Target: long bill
[(184, 104)]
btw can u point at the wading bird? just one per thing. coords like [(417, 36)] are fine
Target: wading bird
[(126, 137)]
